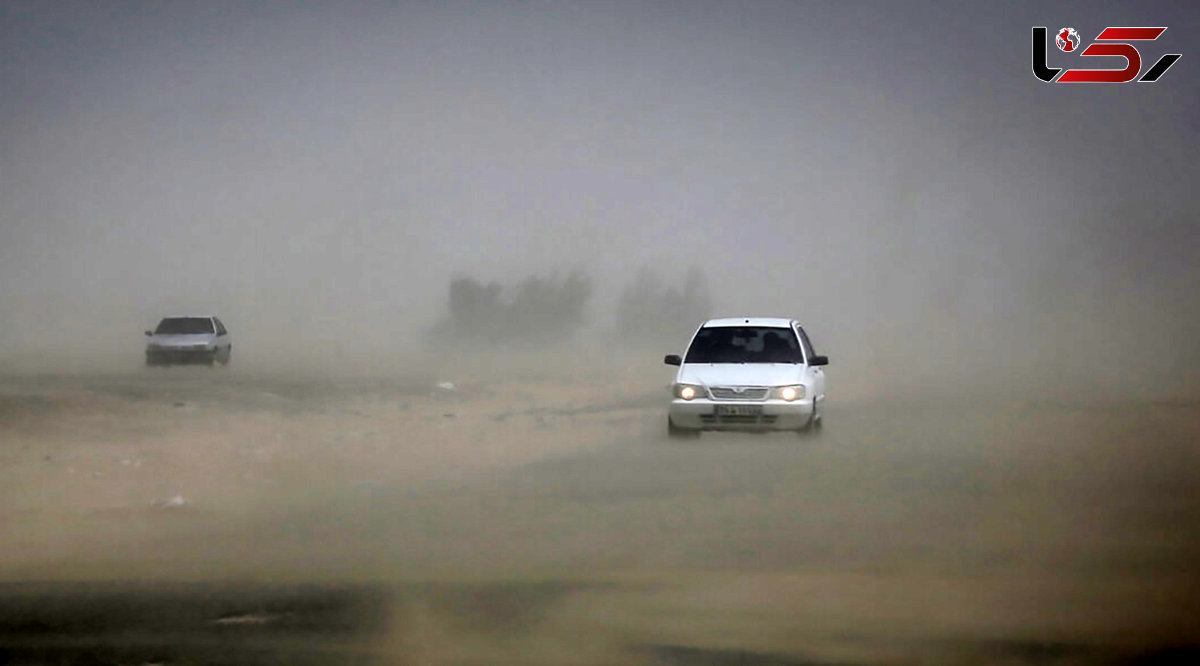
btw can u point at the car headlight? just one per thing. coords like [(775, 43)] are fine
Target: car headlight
[(688, 391), (790, 393)]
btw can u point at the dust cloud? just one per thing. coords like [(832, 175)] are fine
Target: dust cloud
[(452, 243)]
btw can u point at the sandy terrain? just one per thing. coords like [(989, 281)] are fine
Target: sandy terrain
[(201, 516)]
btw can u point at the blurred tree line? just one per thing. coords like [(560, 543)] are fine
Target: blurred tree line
[(655, 312), (541, 311)]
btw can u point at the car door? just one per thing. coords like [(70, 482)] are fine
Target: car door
[(818, 373)]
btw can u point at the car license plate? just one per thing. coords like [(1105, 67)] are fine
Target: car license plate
[(739, 410)]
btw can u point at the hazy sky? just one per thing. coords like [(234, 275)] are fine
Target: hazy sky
[(876, 169)]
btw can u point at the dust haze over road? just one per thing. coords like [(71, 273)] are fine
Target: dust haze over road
[(1003, 272)]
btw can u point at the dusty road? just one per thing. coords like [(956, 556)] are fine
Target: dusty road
[(196, 516)]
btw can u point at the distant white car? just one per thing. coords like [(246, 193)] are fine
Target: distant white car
[(752, 374), (181, 340)]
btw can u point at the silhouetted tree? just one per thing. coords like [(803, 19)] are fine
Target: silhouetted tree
[(652, 312), (541, 311)]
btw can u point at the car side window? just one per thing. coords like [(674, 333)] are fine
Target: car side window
[(220, 327), (808, 348)]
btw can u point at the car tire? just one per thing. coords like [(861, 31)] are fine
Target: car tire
[(675, 432), (813, 427)]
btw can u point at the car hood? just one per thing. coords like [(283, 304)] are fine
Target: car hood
[(741, 374), (182, 340)]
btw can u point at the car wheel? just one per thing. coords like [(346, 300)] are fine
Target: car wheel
[(813, 427), (675, 432)]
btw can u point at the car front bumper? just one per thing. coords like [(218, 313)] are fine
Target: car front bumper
[(705, 414), (179, 356)]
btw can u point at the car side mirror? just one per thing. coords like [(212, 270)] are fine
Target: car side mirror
[(148, 334), (819, 360), (672, 359)]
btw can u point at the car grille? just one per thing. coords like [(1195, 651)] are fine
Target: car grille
[(738, 392)]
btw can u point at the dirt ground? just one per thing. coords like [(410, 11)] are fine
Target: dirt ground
[(189, 516)]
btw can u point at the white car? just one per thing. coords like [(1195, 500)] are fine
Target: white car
[(753, 374), (179, 340)]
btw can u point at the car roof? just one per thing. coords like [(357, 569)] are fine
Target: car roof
[(191, 317), (748, 321)]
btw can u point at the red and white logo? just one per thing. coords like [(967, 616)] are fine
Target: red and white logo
[(1111, 42), (1067, 39)]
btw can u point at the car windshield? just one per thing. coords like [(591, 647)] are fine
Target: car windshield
[(745, 344), (184, 326)]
